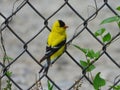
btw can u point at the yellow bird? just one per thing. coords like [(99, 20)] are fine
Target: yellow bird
[(56, 43)]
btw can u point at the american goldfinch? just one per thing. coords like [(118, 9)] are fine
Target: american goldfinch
[(55, 43)]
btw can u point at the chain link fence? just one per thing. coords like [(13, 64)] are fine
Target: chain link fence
[(23, 41)]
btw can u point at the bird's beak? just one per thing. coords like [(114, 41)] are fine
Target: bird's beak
[(65, 27)]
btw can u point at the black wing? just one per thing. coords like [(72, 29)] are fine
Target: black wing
[(51, 50)]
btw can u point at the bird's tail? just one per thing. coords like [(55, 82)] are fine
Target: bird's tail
[(47, 66), (43, 58)]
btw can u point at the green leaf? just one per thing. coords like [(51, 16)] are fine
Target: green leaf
[(98, 82), (110, 19), (118, 8), (81, 49), (107, 37), (90, 54), (50, 87), (85, 64), (92, 67), (8, 86), (100, 32), (118, 24), (117, 87), (8, 73), (7, 58), (97, 54)]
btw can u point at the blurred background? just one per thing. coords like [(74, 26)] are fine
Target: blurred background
[(26, 23)]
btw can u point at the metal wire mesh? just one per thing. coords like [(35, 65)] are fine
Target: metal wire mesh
[(25, 43)]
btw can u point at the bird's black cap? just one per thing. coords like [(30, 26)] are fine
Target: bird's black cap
[(62, 24)]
